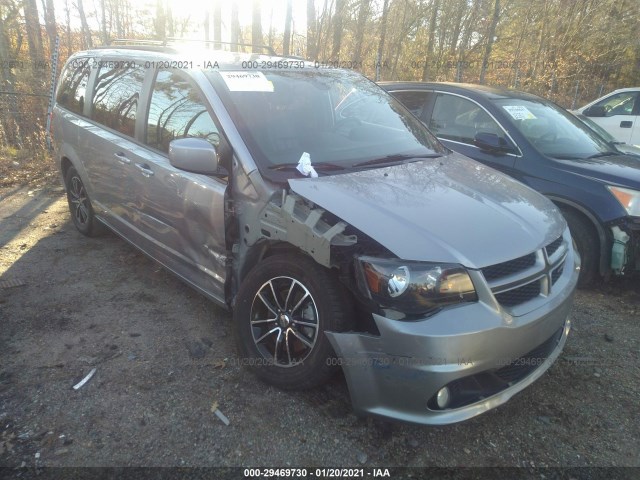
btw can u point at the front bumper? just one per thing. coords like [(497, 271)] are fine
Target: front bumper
[(630, 250), (398, 373)]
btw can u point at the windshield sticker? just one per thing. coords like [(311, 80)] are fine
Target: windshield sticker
[(247, 82), (518, 112)]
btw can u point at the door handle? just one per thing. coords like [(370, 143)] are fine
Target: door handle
[(121, 158), (144, 169), (626, 124)]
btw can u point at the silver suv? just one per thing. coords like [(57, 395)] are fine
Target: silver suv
[(333, 224)]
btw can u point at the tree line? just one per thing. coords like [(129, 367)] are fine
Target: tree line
[(570, 51)]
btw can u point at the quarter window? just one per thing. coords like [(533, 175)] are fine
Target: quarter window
[(73, 86), (177, 111), (456, 118), (116, 98)]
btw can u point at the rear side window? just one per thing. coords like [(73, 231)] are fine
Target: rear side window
[(117, 95), (73, 85), (414, 101), (177, 110)]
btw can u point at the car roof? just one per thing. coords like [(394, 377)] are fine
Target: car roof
[(469, 89), (201, 56)]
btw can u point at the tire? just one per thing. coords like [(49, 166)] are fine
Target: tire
[(586, 241), (80, 206), (275, 297)]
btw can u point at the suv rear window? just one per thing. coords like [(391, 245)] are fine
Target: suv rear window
[(73, 85), (116, 98)]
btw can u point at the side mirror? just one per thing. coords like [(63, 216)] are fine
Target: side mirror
[(595, 111), (491, 142), (194, 155)]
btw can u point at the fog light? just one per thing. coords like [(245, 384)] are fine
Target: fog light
[(442, 399)]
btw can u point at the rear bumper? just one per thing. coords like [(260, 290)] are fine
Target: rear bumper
[(482, 353)]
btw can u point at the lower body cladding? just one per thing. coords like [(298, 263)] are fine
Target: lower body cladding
[(457, 363)]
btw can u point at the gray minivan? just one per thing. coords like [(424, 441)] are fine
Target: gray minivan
[(333, 224)]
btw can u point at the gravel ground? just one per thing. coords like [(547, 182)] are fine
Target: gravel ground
[(165, 360)]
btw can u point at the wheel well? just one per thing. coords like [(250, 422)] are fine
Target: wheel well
[(265, 249), (598, 233), (65, 164)]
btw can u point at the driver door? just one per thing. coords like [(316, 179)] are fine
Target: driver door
[(180, 214)]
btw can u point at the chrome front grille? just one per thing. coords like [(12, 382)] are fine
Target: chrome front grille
[(526, 278)]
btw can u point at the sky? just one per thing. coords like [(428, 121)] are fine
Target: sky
[(271, 9)]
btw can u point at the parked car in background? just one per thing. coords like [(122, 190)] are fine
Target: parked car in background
[(544, 146), (618, 113), (335, 226), (622, 147)]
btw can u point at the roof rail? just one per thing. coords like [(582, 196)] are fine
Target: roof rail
[(131, 42)]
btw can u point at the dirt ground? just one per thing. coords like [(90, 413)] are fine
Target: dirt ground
[(165, 359)]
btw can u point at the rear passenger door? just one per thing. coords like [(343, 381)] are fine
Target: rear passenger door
[(108, 142), (180, 215)]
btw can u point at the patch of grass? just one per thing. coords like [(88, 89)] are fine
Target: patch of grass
[(29, 167)]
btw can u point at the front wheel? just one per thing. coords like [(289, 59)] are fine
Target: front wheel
[(587, 244), (284, 307)]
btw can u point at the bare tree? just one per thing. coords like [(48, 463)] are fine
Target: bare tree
[(363, 17), (67, 15), (428, 59), (311, 29), (160, 22), (337, 29), (383, 34), (217, 23), (103, 22), (170, 22), (256, 25), (206, 24), (32, 25), (490, 39), (50, 22), (86, 33), (287, 29), (235, 27)]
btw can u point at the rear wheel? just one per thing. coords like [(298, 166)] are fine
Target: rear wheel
[(586, 241), (283, 308), (80, 205)]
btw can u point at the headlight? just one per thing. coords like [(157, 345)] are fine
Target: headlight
[(629, 199), (414, 288)]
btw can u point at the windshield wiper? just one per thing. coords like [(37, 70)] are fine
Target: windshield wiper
[(566, 157), (317, 166), (603, 154), (393, 159)]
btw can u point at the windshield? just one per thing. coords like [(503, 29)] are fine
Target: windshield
[(553, 131), (339, 118), (597, 128)]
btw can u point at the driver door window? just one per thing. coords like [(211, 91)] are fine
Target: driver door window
[(619, 104), (458, 119), (177, 111)]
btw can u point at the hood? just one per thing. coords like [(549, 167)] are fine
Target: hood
[(621, 170), (448, 209)]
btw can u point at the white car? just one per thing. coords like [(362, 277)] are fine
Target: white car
[(618, 113)]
